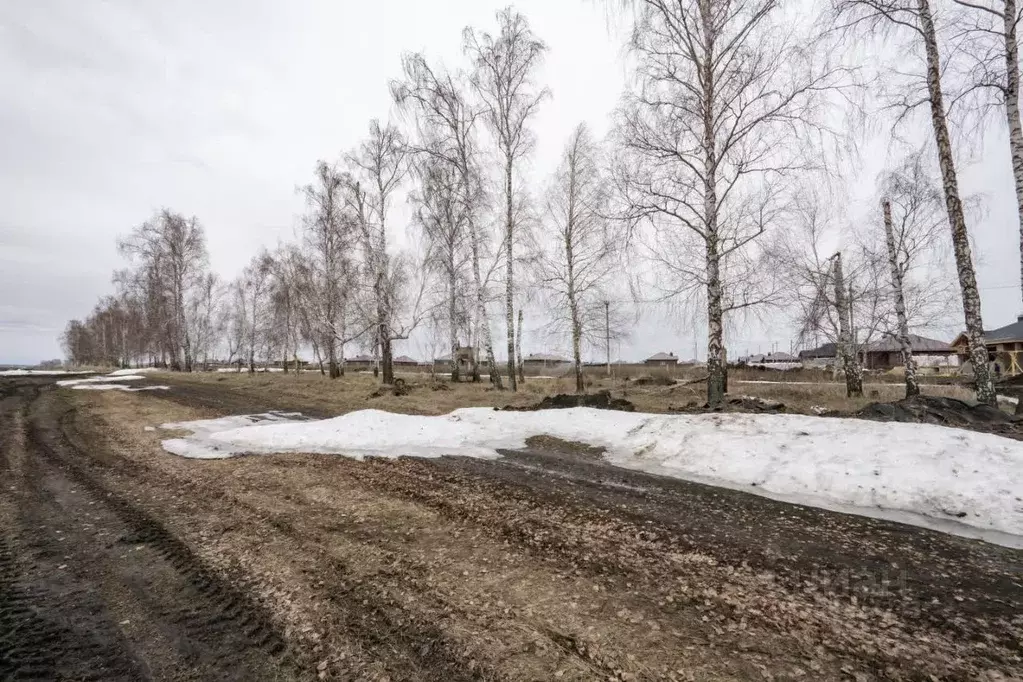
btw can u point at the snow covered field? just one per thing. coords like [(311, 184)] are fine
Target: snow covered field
[(105, 379), (39, 372), (118, 387), (912, 472), (111, 382)]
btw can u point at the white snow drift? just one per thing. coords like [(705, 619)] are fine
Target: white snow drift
[(106, 382), (40, 372), (105, 379), (117, 387), (847, 464), (133, 372)]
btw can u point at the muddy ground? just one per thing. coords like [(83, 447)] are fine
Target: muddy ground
[(121, 562)]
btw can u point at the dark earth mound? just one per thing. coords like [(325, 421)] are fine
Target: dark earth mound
[(653, 380), (601, 400), (946, 412)]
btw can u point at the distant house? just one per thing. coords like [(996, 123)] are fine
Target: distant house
[(820, 355), (661, 360), (779, 360), (545, 360), (360, 362), (405, 361), (1004, 347), (887, 353), (465, 358)]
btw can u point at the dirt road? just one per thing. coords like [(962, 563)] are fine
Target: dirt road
[(120, 562)]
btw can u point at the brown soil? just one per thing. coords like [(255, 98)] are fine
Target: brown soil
[(118, 561), (600, 400), (947, 412)]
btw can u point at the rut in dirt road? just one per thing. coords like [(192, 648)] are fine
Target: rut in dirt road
[(91, 587)]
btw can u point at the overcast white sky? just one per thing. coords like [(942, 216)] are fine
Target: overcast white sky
[(110, 110)]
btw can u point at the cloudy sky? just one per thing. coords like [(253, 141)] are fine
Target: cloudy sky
[(112, 109)]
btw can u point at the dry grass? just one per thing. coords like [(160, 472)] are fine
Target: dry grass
[(429, 396)]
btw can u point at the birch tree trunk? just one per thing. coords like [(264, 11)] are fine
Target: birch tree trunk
[(1012, 114), (332, 365), (481, 312), (573, 305), (510, 273), (518, 351), (956, 217), (853, 380), (384, 333), (577, 349), (453, 316), (715, 329), (715, 324), (607, 334), (912, 387)]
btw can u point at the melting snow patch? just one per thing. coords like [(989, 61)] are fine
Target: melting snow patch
[(943, 473), (117, 387), (40, 372), (101, 380), (132, 372)]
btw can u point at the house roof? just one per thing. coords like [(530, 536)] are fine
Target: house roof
[(406, 360), (545, 357), (361, 358), (662, 356), (827, 350), (917, 343), (1010, 332)]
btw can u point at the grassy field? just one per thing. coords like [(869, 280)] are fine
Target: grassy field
[(430, 395)]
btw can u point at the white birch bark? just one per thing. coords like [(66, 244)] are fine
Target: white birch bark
[(509, 291), (1012, 114), (956, 217), (912, 387), (520, 365), (853, 380)]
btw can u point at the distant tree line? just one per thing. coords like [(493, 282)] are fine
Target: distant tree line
[(709, 196)]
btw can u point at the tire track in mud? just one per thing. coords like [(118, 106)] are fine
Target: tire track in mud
[(193, 624), (217, 618), (25, 639), (407, 643), (40, 637)]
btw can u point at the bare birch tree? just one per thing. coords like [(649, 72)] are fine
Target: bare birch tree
[(380, 165), (253, 288), (990, 51), (577, 256), (916, 17), (203, 317), (503, 78), (169, 252), (447, 127), (902, 329), (799, 256), (726, 98), (441, 216), (329, 238), (911, 211)]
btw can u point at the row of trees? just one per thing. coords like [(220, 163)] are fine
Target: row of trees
[(344, 282), (729, 122)]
